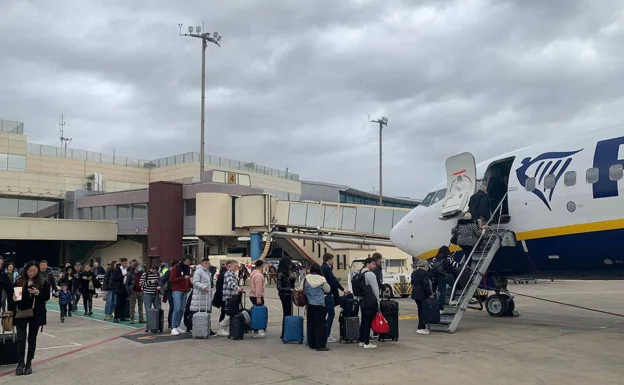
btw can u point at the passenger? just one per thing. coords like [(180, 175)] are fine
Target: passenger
[(6, 287), (149, 285), (65, 300), (76, 285), (230, 290), (331, 299), (421, 290), (46, 274), (98, 270), (135, 291), (243, 274), (285, 284), (217, 300), (165, 289), (109, 291), (443, 270), (180, 285), (468, 233), (316, 289), (479, 206), (201, 299), (85, 279), (369, 303), (35, 294), (119, 278), (256, 294), (12, 272)]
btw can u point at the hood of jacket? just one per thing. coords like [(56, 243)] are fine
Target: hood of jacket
[(315, 280)]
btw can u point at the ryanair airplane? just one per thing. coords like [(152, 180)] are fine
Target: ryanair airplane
[(564, 201)]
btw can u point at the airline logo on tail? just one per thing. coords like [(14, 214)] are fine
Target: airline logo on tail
[(555, 163)]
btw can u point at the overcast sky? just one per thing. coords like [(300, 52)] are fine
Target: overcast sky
[(294, 82)]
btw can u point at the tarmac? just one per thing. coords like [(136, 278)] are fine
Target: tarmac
[(547, 344)]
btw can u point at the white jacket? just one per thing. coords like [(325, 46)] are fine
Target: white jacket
[(201, 300)]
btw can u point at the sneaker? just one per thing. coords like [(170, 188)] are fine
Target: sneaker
[(69, 315), (175, 332), (261, 333), (422, 331), (141, 321), (331, 340), (131, 321), (361, 344), (370, 346), (181, 330), (255, 335), (223, 333), (90, 313), (106, 317), (62, 319)]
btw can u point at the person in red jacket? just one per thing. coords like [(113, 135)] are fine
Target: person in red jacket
[(181, 284)]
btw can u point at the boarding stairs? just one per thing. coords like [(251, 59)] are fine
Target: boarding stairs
[(475, 267)]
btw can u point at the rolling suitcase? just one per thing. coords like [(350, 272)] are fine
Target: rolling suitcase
[(237, 327), (350, 306), (349, 329), (293, 328), (201, 321), (390, 310), (8, 349), (155, 320), (432, 311), (259, 317)]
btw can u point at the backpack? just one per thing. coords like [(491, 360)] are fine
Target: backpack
[(454, 234), (437, 267), (358, 283)]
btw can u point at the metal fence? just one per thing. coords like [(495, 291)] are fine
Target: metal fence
[(12, 126)]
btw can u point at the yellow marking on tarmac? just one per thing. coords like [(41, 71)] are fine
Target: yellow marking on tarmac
[(408, 316)]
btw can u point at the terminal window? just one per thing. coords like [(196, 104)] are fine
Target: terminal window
[(10, 162), (26, 207)]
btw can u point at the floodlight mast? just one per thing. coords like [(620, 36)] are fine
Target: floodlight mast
[(206, 38), (382, 122)]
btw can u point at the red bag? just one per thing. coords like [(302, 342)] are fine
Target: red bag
[(380, 325)]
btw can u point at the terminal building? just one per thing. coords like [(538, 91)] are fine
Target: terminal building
[(68, 205)]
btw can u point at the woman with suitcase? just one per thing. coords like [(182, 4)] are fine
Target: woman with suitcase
[(421, 291), (316, 287), (30, 314), (201, 301)]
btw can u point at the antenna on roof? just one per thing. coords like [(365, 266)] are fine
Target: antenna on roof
[(63, 139)]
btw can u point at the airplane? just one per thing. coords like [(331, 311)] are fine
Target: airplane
[(563, 201)]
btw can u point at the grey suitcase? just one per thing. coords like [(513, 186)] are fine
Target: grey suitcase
[(155, 320), (349, 329), (201, 323)]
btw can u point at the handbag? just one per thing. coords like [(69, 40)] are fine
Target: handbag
[(7, 320), (26, 313), (299, 298), (380, 324)]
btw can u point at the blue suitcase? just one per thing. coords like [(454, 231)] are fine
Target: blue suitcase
[(259, 317), (293, 329)]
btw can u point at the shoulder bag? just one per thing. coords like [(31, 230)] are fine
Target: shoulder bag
[(26, 313)]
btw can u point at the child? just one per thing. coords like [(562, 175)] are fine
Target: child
[(65, 300)]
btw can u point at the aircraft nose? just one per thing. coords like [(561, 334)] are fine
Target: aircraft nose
[(398, 237)]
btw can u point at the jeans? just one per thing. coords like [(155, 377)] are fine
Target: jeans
[(22, 336), (171, 306), (331, 312), (442, 281), (365, 327), (151, 300), (286, 309), (179, 300), (317, 333), (111, 300), (135, 297), (420, 303)]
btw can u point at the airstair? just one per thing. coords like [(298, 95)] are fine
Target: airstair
[(475, 266)]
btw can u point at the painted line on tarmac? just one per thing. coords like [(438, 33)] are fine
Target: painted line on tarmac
[(74, 344), (37, 363), (102, 321)]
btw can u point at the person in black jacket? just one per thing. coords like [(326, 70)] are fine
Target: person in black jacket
[(333, 297), (109, 291), (285, 284), (119, 276), (479, 206), (85, 282), (35, 294), (421, 290), (46, 273), (6, 288)]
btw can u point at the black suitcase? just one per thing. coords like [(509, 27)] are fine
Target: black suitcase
[(350, 306), (390, 310), (237, 327), (349, 329), (432, 311), (8, 349)]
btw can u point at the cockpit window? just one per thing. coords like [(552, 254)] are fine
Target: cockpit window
[(438, 197), (427, 201)]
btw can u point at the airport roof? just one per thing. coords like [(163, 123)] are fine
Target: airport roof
[(350, 190)]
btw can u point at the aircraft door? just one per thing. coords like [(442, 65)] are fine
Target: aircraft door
[(461, 184)]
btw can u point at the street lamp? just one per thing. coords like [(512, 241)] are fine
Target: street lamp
[(215, 38), (382, 122)]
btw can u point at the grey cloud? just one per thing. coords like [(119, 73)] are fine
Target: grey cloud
[(295, 80)]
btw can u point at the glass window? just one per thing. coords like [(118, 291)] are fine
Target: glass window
[(530, 184), (97, 213), (343, 198), (349, 199), (593, 175), (190, 207), (16, 163), (84, 213), (438, 197), (47, 209), (569, 179), (8, 207), (312, 218), (139, 211), (616, 172), (4, 159), (365, 220), (27, 208), (383, 221), (550, 181), (330, 216), (124, 212), (357, 200), (398, 215), (110, 212), (428, 199), (347, 216)]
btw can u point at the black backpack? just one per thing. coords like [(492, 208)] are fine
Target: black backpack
[(437, 267), (454, 234), (358, 283)]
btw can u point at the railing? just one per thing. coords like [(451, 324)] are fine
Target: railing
[(465, 259), (11, 126)]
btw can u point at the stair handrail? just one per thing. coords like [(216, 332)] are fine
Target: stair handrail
[(464, 260)]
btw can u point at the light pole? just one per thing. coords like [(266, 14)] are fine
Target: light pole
[(382, 122), (205, 38)]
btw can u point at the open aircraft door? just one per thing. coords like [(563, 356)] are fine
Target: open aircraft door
[(461, 184)]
